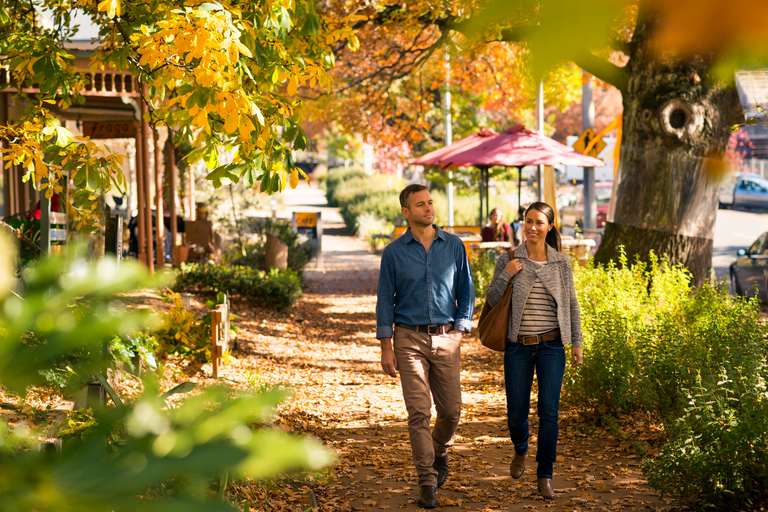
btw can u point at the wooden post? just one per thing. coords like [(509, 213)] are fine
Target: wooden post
[(146, 179), (219, 336), (172, 192), (142, 255), (8, 174), (192, 206), (160, 225)]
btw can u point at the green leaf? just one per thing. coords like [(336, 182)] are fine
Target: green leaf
[(212, 157), (290, 132), (300, 142), (184, 387), (265, 179), (195, 155)]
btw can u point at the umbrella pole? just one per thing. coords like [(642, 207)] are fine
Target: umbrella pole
[(480, 222), (487, 192), (519, 190)]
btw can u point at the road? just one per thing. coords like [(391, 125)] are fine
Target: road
[(734, 230)]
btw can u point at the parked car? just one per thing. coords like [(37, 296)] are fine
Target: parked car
[(749, 190), (749, 273), (573, 214)]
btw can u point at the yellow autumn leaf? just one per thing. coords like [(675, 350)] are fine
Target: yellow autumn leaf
[(246, 127), (293, 180), (111, 7), (231, 121), (293, 84), (201, 119)]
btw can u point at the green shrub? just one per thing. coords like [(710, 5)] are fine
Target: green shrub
[(335, 179), (276, 289), (648, 336), (482, 267), (695, 358), (466, 208), (118, 457), (716, 456), (383, 205), (180, 332), (300, 250)]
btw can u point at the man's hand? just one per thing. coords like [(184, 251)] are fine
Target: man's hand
[(454, 332), (388, 360)]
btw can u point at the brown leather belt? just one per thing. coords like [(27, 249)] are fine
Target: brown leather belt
[(535, 339), (432, 330)]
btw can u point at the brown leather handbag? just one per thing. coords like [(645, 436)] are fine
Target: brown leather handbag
[(494, 321)]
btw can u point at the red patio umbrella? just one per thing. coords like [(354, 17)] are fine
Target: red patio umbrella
[(442, 156), (516, 147)]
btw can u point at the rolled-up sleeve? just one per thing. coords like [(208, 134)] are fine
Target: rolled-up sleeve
[(465, 294), (385, 297)]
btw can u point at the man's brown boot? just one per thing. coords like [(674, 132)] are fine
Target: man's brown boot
[(545, 490), (517, 466)]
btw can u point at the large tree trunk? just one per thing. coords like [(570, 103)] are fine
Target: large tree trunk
[(676, 129)]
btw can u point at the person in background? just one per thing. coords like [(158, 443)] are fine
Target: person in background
[(497, 230), (425, 290), (544, 315)]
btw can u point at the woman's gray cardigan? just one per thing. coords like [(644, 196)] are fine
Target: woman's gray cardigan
[(556, 276)]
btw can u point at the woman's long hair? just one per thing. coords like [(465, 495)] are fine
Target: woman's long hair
[(498, 231), (553, 235)]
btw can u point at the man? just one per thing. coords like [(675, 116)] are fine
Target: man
[(426, 291)]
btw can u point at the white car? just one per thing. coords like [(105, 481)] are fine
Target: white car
[(746, 190)]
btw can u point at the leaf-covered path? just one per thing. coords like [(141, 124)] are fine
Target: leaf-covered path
[(326, 352)]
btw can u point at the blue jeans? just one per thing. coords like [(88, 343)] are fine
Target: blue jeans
[(548, 358)]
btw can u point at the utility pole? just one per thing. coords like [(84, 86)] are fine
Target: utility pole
[(588, 121), (540, 129), (448, 133)]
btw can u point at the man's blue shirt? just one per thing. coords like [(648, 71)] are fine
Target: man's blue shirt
[(419, 287)]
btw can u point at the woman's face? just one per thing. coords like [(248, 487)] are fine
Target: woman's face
[(536, 226), (496, 216)]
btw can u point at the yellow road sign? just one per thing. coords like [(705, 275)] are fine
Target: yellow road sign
[(587, 144), (306, 219)]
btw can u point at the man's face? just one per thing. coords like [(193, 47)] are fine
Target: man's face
[(420, 209)]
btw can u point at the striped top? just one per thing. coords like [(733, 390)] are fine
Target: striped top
[(540, 311)]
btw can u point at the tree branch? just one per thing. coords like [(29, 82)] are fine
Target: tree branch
[(601, 68)]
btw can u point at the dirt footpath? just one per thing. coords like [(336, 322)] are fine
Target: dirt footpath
[(326, 351)]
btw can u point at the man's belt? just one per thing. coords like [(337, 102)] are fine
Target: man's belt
[(432, 330), (535, 339)]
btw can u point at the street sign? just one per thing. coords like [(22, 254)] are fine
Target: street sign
[(584, 140)]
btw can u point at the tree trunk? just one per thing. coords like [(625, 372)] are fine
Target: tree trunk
[(675, 132)]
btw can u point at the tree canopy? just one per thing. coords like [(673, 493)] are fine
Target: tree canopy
[(220, 75)]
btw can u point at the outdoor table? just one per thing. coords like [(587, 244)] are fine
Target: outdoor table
[(578, 248), (484, 246)]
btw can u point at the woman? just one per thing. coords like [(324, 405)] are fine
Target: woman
[(543, 316), (497, 230)]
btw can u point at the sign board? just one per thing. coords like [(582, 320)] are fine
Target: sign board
[(307, 223), (306, 219), (110, 129), (583, 141), (310, 225)]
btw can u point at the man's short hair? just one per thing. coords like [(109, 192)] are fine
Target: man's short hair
[(407, 191)]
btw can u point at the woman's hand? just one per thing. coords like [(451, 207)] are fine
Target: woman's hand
[(576, 356), (514, 266)]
